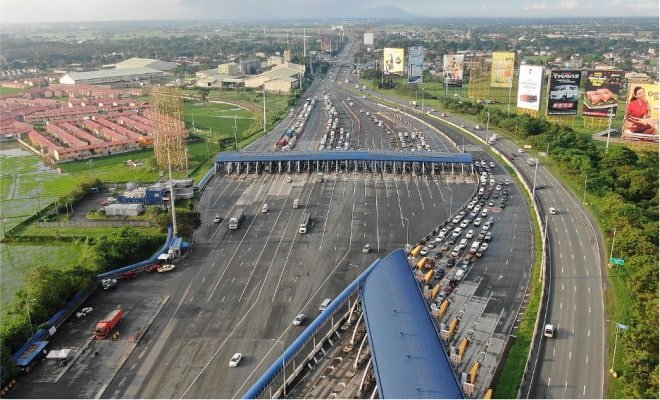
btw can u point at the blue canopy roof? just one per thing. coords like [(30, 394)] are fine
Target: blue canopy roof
[(344, 155), (409, 358)]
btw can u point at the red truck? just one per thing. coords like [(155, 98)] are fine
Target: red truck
[(107, 324)]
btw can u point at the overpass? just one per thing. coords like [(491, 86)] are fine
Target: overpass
[(383, 161)]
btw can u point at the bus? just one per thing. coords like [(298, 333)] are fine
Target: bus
[(304, 221)]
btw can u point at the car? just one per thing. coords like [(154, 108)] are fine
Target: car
[(479, 253), (540, 186), (505, 192), (288, 179), (83, 312), (299, 319), (490, 204), (503, 204), (439, 274), (520, 151), (470, 205), (457, 232), (450, 262), (366, 248), (506, 182), (217, 218), (484, 213), (456, 219), (439, 238), (235, 359), (553, 210), (477, 208), (425, 251), (496, 195), (455, 251), (473, 214), (153, 268), (465, 223), (109, 284), (445, 247), (491, 164), (451, 241), (488, 237), (486, 226), (128, 275), (481, 235), (477, 222), (469, 234), (484, 246), (498, 187), (166, 268), (549, 331)]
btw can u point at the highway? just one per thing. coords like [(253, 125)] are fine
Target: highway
[(573, 363)]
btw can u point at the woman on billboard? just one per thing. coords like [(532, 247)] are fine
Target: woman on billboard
[(638, 114)]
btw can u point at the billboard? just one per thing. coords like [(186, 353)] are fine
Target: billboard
[(368, 38), (642, 120), (529, 87), (452, 69), (602, 93), (564, 92), (393, 61), (501, 74), (415, 64)]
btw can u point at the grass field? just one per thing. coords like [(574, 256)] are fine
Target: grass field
[(217, 117), (6, 90), (17, 259)]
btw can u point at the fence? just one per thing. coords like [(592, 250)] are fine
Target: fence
[(93, 224)]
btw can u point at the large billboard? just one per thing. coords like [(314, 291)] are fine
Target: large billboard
[(564, 92), (642, 120), (601, 95), (452, 69), (529, 87), (501, 74), (368, 38), (415, 64), (393, 60)]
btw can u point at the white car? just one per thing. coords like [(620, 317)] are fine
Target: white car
[(477, 222), (299, 319), (484, 246), (553, 210), (425, 251), (235, 359), (549, 331), (217, 218), (506, 182), (465, 223), (520, 151), (469, 234), (166, 268), (84, 312), (484, 213)]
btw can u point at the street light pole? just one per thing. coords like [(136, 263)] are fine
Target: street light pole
[(27, 308), (407, 231), (487, 125), (536, 167), (584, 194)]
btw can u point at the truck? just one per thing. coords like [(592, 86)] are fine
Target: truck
[(532, 161), (493, 138), (295, 203), (107, 324), (304, 222), (235, 221)]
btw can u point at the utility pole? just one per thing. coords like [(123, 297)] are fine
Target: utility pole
[(169, 167), (235, 134), (264, 93)]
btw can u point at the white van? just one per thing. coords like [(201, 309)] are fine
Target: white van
[(463, 243), (565, 92), (295, 203), (325, 304), (264, 208)]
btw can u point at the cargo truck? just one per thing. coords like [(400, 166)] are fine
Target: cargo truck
[(304, 222), (107, 324), (235, 221)]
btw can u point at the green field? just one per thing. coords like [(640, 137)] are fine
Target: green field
[(17, 259), (219, 118), (6, 90)]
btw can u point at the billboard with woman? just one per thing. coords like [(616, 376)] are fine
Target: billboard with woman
[(642, 112)]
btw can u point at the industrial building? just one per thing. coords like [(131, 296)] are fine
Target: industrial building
[(124, 210), (146, 63), (110, 76), (158, 193)]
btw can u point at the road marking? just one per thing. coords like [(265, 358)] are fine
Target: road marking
[(570, 355), (561, 255), (584, 389), (562, 287), (548, 381), (553, 351), (560, 305), (588, 332), (589, 290), (575, 288), (589, 309), (586, 361)]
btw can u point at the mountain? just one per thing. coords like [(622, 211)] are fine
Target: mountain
[(386, 12)]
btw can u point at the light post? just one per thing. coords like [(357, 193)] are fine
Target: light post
[(612, 248), (584, 194), (27, 308), (283, 367), (407, 231), (487, 125), (624, 328), (610, 115), (536, 167), (451, 199)]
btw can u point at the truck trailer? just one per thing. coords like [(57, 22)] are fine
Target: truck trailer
[(107, 324), (235, 221)]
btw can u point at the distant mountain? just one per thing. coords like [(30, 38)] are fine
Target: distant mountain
[(386, 12)]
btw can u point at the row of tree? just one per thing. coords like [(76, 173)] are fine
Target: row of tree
[(626, 185)]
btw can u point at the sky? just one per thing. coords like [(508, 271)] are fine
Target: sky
[(26, 11)]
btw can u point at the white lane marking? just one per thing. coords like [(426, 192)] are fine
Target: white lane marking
[(575, 288), (562, 287), (560, 305), (565, 386), (589, 309), (570, 355), (584, 389), (589, 290), (586, 361), (553, 351), (588, 332), (561, 255), (548, 381)]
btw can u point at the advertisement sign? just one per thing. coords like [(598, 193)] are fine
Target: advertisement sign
[(393, 61), (564, 92), (529, 87), (369, 38), (452, 67), (602, 93), (642, 120), (501, 74), (415, 64)]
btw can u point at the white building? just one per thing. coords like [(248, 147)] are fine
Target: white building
[(110, 76)]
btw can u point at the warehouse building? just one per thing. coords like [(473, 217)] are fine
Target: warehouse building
[(110, 76), (146, 63)]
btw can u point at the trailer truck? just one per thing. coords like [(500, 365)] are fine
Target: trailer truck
[(235, 221), (107, 324)]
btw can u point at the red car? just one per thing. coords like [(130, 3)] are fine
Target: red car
[(153, 268), (128, 275)]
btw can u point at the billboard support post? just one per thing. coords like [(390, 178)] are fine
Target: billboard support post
[(609, 130)]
